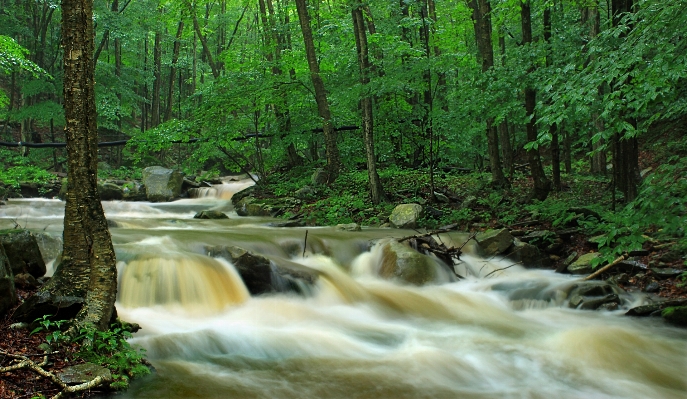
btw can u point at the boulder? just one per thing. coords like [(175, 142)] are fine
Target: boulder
[(494, 242), (319, 177), (23, 252), (161, 184), (49, 245), (304, 192), (405, 216), (248, 206), (675, 315), (261, 276), (591, 295), (348, 227), (666, 272), (525, 253), (210, 214), (8, 294), (84, 372), (583, 265), (25, 280), (404, 263), (133, 191), (441, 198), (110, 192)]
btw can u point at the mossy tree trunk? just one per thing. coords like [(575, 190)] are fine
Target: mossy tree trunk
[(88, 260)]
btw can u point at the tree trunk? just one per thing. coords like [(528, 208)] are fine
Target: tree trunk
[(542, 185), (87, 270), (553, 129), (157, 82), (203, 42), (592, 18), (173, 70), (625, 148), (333, 162), (504, 136), (482, 25), (376, 191)]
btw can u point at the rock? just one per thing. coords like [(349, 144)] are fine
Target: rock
[(304, 192), (210, 214), (666, 272), (590, 295), (248, 206), (405, 216), (8, 294), (81, 373), (261, 276), (609, 306), (671, 256), (44, 303), (25, 280), (652, 287), (595, 303), (655, 309), (49, 245), (563, 267), (675, 315), (110, 192), (349, 227), (23, 252), (319, 177), (133, 191), (290, 223), (540, 238), (525, 253), (162, 184), (404, 263), (583, 265), (469, 201), (494, 242), (441, 198), (246, 192)]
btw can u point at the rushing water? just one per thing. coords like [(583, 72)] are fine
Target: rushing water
[(356, 336)]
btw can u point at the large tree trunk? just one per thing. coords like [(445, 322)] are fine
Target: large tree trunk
[(482, 24), (376, 191), (87, 272), (625, 149), (542, 185), (173, 71), (333, 162)]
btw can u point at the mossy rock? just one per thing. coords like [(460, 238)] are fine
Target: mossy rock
[(675, 315)]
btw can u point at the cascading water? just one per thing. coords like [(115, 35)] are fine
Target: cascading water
[(354, 335)]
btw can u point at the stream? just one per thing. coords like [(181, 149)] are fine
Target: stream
[(352, 334)]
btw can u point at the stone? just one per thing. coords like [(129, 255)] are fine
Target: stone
[(133, 191), (583, 265), (289, 223), (248, 206), (469, 201), (110, 192), (23, 252), (8, 294), (525, 253), (49, 245), (162, 184), (210, 214), (85, 372), (403, 263), (666, 272), (319, 177), (25, 280), (405, 216), (652, 287), (349, 227), (494, 242), (609, 306), (540, 238), (441, 198), (304, 192), (262, 276), (675, 315), (671, 256)]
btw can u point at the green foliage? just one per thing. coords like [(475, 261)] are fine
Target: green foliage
[(13, 58), (24, 174), (121, 173), (109, 348)]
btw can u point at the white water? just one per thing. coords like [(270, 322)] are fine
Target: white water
[(357, 336)]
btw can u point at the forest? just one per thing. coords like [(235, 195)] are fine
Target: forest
[(564, 118)]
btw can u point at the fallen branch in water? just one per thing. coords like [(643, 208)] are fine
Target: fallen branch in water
[(607, 267), (26, 363)]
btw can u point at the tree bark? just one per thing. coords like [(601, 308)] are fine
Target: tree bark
[(542, 185), (333, 162), (87, 269), (203, 42), (482, 25), (376, 191)]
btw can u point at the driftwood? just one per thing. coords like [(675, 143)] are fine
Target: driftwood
[(607, 267), (425, 243), (23, 362)]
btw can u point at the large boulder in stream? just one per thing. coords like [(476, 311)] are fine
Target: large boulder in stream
[(262, 276), (527, 254), (400, 262), (23, 252), (8, 295), (162, 184), (405, 216), (210, 214), (494, 242), (109, 191)]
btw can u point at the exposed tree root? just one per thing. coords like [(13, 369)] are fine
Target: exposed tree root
[(25, 363)]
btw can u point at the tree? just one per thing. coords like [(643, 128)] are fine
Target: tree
[(333, 162), (542, 185), (87, 275), (376, 191)]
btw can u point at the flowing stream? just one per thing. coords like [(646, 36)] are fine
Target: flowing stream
[(352, 334)]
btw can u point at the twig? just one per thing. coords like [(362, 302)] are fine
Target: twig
[(502, 269), (305, 243), (605, 268)]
